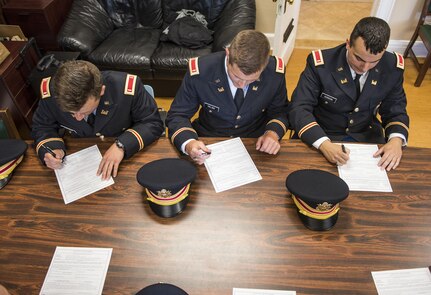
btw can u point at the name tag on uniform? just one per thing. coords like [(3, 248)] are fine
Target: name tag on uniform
[(328, 97), (211, 107)]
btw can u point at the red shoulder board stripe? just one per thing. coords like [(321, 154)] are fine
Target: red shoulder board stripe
[(400, 60), (194, 66), (318, 57), (129, 88), (280, 65), (44, 88)]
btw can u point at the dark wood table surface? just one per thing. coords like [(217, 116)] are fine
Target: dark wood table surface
[(247, 237)]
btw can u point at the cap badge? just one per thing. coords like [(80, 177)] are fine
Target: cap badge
[(164, 193), (325, 206)]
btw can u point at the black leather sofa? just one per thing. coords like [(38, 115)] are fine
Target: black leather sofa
[(124, 35)]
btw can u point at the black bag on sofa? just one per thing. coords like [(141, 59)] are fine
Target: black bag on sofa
[(188, 32)]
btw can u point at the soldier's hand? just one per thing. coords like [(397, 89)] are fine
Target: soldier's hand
[(334, 152), (268, 143), (198, 151), (391, 154), (110, 162), (54, 162)]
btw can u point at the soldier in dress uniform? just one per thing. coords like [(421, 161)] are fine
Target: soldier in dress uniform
[(89, 103), (241, 92), (342, 90)]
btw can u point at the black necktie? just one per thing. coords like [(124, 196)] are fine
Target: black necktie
[(90, 119), (239, 98), (358, 85)]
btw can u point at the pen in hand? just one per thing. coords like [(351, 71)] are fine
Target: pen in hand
[(49, 150), (343, 148)]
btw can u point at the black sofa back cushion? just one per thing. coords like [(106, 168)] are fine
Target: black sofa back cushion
[(134, 13), (211, 9)]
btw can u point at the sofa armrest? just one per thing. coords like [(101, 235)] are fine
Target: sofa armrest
[(238, 15), (86, 26)]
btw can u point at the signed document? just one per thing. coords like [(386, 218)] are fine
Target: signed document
[(78, 177), (361, 172), (415, 281), (77, 271), (230, 165), (241, 291)]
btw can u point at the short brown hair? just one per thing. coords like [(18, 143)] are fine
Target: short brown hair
[(249, 50), (74, 83)]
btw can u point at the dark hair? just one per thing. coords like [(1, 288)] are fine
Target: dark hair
[(249, 50), (74, 83), (374, 31)]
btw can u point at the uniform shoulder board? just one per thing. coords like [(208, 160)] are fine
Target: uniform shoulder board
[(129, 87), (318, 57), (44, 88), (400, 60), (279, 67), (194, 66)]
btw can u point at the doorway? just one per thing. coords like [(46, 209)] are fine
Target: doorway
[(327, 23)]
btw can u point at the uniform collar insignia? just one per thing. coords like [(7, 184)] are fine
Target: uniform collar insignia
[(104, 112), (106, 103), (217, 81), (339, 69), (220, 89), (374, 82), (344, 81), (254, 88)]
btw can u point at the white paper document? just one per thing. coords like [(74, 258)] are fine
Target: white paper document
[(230, 165), (361, 172), (415, 281), (78, 177), (241, 291), (77, 271)]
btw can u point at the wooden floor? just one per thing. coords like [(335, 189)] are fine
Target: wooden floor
[(418, 98)]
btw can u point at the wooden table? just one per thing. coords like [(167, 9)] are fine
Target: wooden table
[(249, 237)]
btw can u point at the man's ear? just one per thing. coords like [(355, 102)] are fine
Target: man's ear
[(103, 90), (347, 44)]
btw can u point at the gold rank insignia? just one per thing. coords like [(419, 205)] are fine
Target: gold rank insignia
[(220, 89), (374, 82), (254, 88), (217, 81), (344, 81), (106, 103), (104, 112), (339, 69)]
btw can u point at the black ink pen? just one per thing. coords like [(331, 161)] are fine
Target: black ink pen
[(49, 150), (343, 148)]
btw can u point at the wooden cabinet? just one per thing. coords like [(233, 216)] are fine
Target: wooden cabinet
[(41, 19), (16, 95)]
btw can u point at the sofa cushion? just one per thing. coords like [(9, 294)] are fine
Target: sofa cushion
[(169, 55), (134, 13), (127, 48), (211, 9)]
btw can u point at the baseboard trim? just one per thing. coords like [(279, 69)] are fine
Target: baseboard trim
[(401, 45), (394, 45)]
